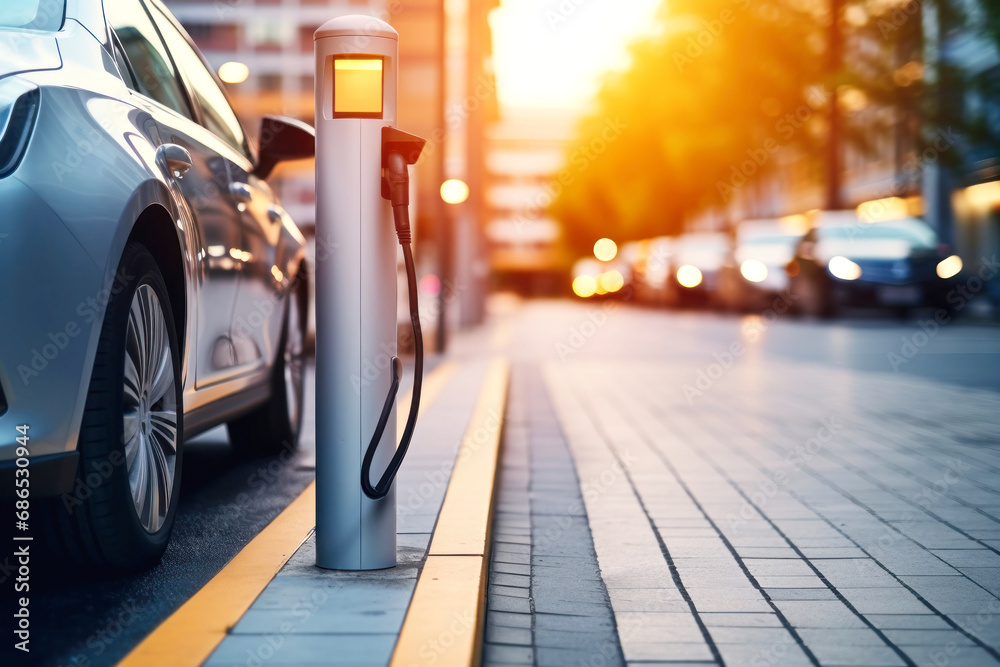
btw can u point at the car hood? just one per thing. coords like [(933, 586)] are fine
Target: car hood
[(28, 51)]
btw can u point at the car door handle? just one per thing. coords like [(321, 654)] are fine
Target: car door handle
[(241, 192), (175, 158)]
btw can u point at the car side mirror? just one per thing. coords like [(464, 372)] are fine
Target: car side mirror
[(283, 139)]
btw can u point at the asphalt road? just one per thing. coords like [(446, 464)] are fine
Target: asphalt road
[(226, 500)]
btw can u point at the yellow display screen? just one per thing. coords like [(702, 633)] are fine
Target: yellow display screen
[(357, 87)]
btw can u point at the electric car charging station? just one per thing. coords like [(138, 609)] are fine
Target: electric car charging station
[(361, 173)]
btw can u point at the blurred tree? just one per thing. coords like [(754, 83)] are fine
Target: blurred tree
[(706, 105)]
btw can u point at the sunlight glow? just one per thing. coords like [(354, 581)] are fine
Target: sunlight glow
[(553, 54)]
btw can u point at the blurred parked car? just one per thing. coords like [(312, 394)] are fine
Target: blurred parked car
[(695, 267), (155, 286), (753, 274), (899, 264)]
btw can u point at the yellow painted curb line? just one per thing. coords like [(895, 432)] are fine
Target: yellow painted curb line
[(191, 633), (443, 625)]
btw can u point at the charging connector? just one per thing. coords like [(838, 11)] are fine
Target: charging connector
[(399, 151)]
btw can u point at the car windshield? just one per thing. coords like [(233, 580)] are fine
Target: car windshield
[(914, 232), (782, 239), (32, 14)]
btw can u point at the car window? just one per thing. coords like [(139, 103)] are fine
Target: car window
[(153, 74), (216, 113)]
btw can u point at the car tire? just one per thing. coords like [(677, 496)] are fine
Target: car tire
[(121, 511), (275, 426)]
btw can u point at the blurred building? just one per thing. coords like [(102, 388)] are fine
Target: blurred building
[(525, 154)]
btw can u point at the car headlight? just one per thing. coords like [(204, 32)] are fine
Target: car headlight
[(18, 109), (754, 270), (949, 267), (689, 276), (843, 268)]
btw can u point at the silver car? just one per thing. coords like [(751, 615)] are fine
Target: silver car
[(153, 287)]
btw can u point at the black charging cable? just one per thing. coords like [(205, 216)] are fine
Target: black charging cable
[(397, 177)]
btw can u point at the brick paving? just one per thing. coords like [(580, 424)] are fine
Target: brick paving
[(792, 513), (547, 604)]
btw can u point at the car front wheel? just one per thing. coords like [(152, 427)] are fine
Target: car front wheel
[(121, 511)]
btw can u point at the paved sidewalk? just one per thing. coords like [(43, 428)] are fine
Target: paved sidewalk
[(791, 513)]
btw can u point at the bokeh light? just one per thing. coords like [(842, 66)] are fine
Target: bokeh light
[(584, 286), (234, 72), (845, 269), (612, 281), (754, 270), (605, 250), (454, 191), (689, 276), (950, 267)]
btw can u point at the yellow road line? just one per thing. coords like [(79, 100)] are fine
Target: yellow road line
[(191, 633), (443, 625)]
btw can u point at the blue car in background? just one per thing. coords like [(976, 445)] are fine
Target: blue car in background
[(900, 265)]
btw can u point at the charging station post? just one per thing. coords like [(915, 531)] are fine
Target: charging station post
[(356, 73)]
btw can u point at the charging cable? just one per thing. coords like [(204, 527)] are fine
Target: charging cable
[(397, 179)]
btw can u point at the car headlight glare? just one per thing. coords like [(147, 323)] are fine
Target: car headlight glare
[(843, 268), (18, 109), (689, 276), (754, 270), (949, 267)]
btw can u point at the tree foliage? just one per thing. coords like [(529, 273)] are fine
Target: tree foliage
[(725, 82)]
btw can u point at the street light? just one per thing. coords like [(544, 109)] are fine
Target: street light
[(454, 191), (234, 72)]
